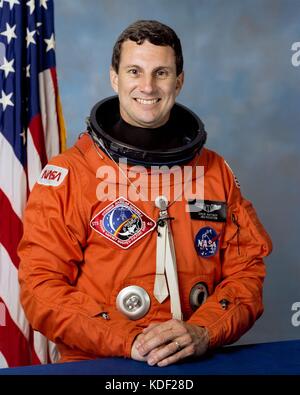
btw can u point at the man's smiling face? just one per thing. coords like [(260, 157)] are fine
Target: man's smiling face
[(146, 83)]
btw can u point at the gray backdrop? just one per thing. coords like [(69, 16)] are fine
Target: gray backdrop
[(242, 81)]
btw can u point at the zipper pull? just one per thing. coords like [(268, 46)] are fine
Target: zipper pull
[(234, 220)]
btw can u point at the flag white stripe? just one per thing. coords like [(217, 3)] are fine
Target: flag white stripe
[(9, 281), (3, 363), (12, 177), (33, 162), (48, 113), (40, 346), (53, 352)]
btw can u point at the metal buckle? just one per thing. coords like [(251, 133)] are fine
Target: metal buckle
[(133, 301)]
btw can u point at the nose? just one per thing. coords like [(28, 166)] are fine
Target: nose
[(147, 84)]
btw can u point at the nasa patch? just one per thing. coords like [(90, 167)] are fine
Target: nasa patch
[(52, 176), (207, 242), (122, 223)]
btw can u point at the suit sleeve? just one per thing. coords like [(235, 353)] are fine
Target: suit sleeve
[(236, 302), (51, 253)]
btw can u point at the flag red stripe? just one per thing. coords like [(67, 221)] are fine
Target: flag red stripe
[(54, 80), (60, 121), (55, 86), (15, 352), (11, 228)]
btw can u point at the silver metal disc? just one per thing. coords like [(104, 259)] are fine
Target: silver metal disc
[(133, 301)]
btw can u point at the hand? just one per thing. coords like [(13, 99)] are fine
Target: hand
[(168, 342), (139, 338), (134, 352)]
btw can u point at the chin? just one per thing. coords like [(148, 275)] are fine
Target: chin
[(150, 125), (145, 123), (151, 122)]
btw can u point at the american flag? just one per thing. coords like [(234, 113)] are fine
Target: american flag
[(31, 132)]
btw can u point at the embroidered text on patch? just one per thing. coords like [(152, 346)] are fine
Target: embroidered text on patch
[(52, 175), (207, 210), (122, 223)]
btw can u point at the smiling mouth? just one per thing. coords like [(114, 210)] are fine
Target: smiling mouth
[(147, 101)]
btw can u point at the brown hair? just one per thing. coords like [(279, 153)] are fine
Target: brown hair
[(156, 33)]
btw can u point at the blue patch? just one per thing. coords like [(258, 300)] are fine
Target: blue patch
[(122, 222), (207, 242)]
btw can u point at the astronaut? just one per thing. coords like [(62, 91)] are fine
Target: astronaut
[(117, 277)]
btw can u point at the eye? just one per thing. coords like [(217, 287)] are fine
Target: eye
[(162, 73), (133, 72)]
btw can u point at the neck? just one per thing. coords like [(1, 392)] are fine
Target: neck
[(164, 137)]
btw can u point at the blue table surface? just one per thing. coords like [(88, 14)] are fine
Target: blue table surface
[(277, 358)]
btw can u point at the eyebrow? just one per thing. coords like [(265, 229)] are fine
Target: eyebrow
[(156, 68)]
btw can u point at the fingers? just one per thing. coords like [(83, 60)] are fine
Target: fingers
[(186, 352), (134, 352), (168, 342), (173, 351), (158, 335)]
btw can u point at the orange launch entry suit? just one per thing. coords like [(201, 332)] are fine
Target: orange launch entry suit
[(72, 270)]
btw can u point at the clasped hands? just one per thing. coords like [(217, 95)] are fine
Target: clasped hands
[(165, 343)]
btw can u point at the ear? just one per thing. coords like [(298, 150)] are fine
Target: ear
[(179, 82), (114, 79)]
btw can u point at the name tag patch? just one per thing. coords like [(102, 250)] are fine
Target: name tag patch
[(207, 210), (122, 223), (207, 242), (52, 175)]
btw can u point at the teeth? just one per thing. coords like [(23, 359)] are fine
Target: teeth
[(145, 101)]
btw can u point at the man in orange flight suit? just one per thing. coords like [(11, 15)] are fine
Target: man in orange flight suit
[(110, 269)]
